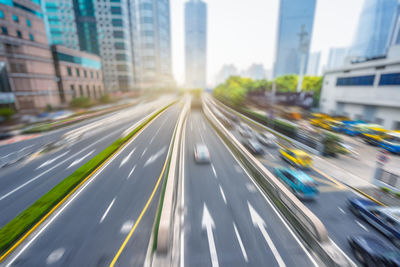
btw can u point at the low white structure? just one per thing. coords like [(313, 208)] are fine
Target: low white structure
[(368, 90)]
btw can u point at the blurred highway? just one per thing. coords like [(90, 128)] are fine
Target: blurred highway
[(227, 221), (331, 204), (23, 183), (89, 229)]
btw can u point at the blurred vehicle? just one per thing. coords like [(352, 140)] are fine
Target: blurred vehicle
[(6, 135), (352, 128), (245, 130), (385, 219), (346, 149), (373, 134), (267, 139), (302, 185), (226, 122), (391, 143), (296, 157), (371, 251), (201, 154), (253, 146)]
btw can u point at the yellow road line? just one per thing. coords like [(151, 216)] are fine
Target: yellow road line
[(339, 184), (70, 193), (140, 216)]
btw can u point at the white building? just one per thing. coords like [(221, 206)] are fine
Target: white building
[(368, 90)]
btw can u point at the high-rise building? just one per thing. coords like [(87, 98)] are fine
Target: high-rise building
[(295, 25), (59, 18), (195, 43), (151, 36), (25, 58), (255, 72), (313, 64), (376, 27), (336, 57), (226, 71), (85, 17), (115, 44)]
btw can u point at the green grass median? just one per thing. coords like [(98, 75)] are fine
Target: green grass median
[(16, 228)]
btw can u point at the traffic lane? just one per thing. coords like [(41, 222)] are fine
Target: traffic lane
[(21, 186), (224, 188), (92, 228)]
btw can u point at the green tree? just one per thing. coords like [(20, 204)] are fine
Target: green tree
[(286, 83)]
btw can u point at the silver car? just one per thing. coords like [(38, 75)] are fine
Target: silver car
[(201, 153), (267, 139)]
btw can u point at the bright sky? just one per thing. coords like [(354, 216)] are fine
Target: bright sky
[(242, 32)]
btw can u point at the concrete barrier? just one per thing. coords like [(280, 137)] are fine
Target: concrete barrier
[(164, 231), (307, 225)]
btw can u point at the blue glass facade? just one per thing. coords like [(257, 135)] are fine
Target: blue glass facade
[(375, 27), (85, 62), (367, 80), (390, 79), (86, 26), (195, 43), (294, 17)]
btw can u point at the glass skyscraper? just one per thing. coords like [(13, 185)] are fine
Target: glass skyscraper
[(376, 27), (295, 25), (195, 43), (85, 18), (151, 35)]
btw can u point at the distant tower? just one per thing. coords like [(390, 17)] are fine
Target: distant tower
[(195, 43)]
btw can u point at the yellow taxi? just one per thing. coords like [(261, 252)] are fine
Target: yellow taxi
[(296, 157)]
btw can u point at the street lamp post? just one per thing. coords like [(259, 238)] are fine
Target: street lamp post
[(303, 48)]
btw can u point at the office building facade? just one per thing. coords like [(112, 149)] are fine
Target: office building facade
[(26, 58), (195, 44), (336, 57), (295, 25), (375, 30), (367, 91), (151, 36)]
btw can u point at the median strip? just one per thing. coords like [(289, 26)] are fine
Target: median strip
[(18, 229)]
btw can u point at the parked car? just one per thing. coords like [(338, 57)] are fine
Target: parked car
[(253, 146), (384, 219), (371, 251), (302, 185), (201, 154), (296, 157), (267, 139)]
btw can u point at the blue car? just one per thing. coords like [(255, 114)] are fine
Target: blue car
[(384, 219), (391, 143), (302, 185), (371, 251)]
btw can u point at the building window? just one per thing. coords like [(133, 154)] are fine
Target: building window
[(69, 71), (97, 74), (118, 34), (81, 90), (1, 14), (15, 18), (78, 73), (119, 45), (91, 74), (19, 34), (88, 91), (117, 22), (367, 80), (390, 79), (73, 91), (120, 57), (85, 73), (115, 10), (28, 23), (4, 30), (31, 37)]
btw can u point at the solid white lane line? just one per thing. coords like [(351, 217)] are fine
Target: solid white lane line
[(144, 151), (155, 156), (341, 210), (222, 193), (52, 160), (81, 159), (182, 256), (215, 173), (362, 226), (240, 243), (127, 158), (107, 210), (133, 169), (55, 166)]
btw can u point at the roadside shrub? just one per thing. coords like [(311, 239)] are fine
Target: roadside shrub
[(80, 102), (6, 113), (105, 99)]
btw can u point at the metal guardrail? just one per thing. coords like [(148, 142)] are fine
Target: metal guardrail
[(309, 227), (167, 213), (389, 180)]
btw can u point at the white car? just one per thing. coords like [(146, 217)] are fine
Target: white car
[(267, 139), (245, 130), (201, 153)]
